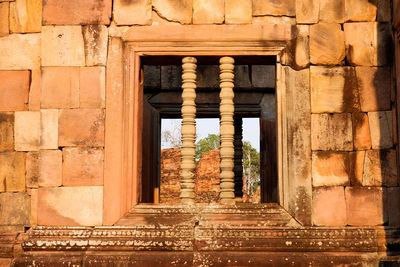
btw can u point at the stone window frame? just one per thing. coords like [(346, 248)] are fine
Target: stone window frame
[(124, 95)]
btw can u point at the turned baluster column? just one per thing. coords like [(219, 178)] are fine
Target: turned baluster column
[(188, 131), (227, 130)]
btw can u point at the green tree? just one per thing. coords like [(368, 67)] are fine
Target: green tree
[(211, 142), (251, 167)]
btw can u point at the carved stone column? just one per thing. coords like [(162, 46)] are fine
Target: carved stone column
[(227, 130), (188, 131), (238, 168)]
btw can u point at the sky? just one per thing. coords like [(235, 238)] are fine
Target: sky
[(251, 129)]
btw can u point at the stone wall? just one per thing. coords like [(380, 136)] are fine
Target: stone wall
[(53, 57)]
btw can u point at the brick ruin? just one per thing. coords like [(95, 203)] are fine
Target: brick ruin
[(71, 133)]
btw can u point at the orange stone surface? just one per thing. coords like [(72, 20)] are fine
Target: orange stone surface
[(329, 206), (81, 127), (92, 84), (6, 131), (14, 90), (50, 162), (82, 167)]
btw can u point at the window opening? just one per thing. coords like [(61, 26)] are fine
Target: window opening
[(254, 117)]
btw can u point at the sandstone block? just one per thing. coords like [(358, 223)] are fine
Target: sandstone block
[(34, 91), (4, 24), (366, 43), (381, 128), (365, 206), (6, 131), (174, 10), (263, 76), (82, 167), (62, 46), (95, 38), (330, 168), (27, 130), (360, 10), (20, 51), (132, 12), (385, 10), (81, 127), (238, 11), (331, 11), (75, 12), (327, 44), (393, 204), (273, 20), (32, 169), (12, 172), (18, 212), (92, 83), (331, 132), (380, 168), (329, 206), (171, 77), (14, 90), (56, 94), (80, 205), (49, 129), (151, 76), (356, 167), (33, 214), (50, 166), (208, 76), (374, 85), (297, 53), (275, 8), (361, 133), (333, 89), (208, 12), (307, 11), (26, 16)]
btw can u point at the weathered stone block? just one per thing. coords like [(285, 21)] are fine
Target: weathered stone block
[(238, 11), (32, 169), (171, 77), (95, 38), (381, 128), (361, 133), (14, 90), (4, 24), (380, 168), (62, 46), (92, 87), (365, 206), (393, 205), (356, 167), (333, 89), (331, 11), (330, 168), (329, 206), (49, 129), (33, 214), (75, 12), (27, 130), (151, 76), (307, 11), (6, 131), (81, 127), (12, 172), (50, 166), (367, 43), (275, 8), (56, 94), (385, 10), (208, 12), (360, 10), (273, 20), (174, 10), (80, 205), (82, 167), (26, 16), (34, 92), (242, 76), (208, 76), (374, 85), (263, 76), (132, 12), (20, 51), (18, 212), (331, 132), (297, 53), (327, 44)]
